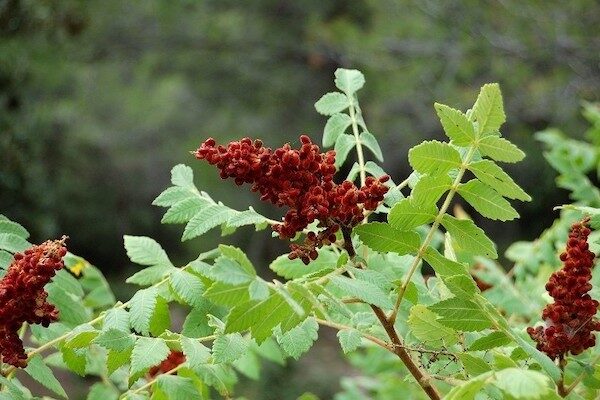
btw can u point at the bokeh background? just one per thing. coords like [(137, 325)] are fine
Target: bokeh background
[(99, 99)]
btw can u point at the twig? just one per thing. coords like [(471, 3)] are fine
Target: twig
[(151, 382), (341, 327)]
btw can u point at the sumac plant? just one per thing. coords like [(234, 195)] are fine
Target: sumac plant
[(401, 271)]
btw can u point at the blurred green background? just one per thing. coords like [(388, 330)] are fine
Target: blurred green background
[(99, 99)]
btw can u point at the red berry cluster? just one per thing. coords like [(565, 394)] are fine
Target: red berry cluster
[(23, 298), (569, 321), (300, 179), (174, 359)]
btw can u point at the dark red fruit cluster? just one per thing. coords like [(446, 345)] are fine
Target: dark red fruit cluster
[(569, 321), (300, 179), (23, 298), (174, 359)]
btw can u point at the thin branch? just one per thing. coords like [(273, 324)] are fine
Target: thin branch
[(431, 233), (151, 382), (342, 327)]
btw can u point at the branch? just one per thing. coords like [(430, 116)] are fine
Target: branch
[(431, 233), (151, 382), (341, 327)]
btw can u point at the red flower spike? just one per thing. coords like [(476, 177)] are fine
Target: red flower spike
[(301, 180), (174, 359), (23, 297), (569, 321)]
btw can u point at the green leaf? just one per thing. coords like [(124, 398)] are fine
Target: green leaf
[(488, 109), (490, 341), (487, 201), (196, 354), (172, 196), (350, 340), (469, 237), (196, 323), (332, 103), (349, 80), (70, 306), (228, 271), (246, 217), (116, 318), (407, 215), (182, 175), (456, 125), (117, 359), (113, 339), (258, 289), (68, 283), (462, 286), (188, 287), (5, 260), (461, 314), (176, 387), (141, 309), (206, 219), (228, 348), (238, 256), (546, 362), (336, 125), (500, 149), (473, 365), (300, 339), (425, 327), (227, 295), (433, 158), (161, 318), (261, 317), (184, 210), (146, 353), (44, 375), (75, 360), (442, 265), (384, 238), (99, 391), (467, 390), (13, 243), (371, 143), (343, 144), (293, 269), (150, 275), (81, 337), (429, 189), (14, 228), (145, 251), (492, 175), (522, 383), (363, 290)]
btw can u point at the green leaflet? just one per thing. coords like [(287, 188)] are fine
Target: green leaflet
[(363, 290), (183, 176), (442, 265), (407, 215), (433, 157), (461, 286), (172, 196), (13, 243), (145, 251), (500, 149), (430, 188), (184, 210), (146, 353), (492, 175), (188, 287), (456, 125), (141, 309), (461, 314), (113, 339), (343, 144), (350, 340), (300, 339), (336, 125), (230, 347), (7, 226), (488, 109), (490, 341), (384, 238), (293, 269), (349, 81), (195, 352), (425, 327), (207, 218), (227, 295), (44, 375), (175, 387), (371, 143), (487, 201), (522, 384), (332, 103), (229, 271), (469, 237), (238, 256)]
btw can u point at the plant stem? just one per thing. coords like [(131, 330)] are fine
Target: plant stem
[(341, 327), (580, 377), (431, 233), (151, 382), (359, 149)]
